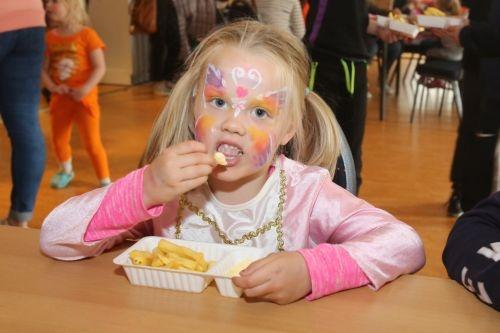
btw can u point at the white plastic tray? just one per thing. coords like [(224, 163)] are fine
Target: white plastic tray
[(224, 257), (406, 29), (441, 22)]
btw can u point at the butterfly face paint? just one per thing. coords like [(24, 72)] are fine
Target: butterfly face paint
[(241, 109)]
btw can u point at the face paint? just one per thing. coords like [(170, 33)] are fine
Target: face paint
[(244, 82), (203, 126), (273, 102), (214, 77), (261, 145), (238, 100), (214, 84)]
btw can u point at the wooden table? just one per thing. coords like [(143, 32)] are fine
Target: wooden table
[(39, 294)]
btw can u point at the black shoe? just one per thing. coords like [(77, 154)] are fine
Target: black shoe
[(454, 208)]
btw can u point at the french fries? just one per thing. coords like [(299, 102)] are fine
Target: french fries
[(220, 158), (433, 11), (170, 255)]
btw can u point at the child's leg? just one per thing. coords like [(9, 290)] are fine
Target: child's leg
[(62, 111), (88, 122)]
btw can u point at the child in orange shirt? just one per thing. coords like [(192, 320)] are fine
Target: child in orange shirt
[(74, 65)]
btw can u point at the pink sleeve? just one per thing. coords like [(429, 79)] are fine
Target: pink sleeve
[(331, 269), (121, 208), (381, 245)]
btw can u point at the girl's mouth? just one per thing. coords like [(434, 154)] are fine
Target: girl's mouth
[(231, 152)]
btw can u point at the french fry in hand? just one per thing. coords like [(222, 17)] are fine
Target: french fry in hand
[(220, 158)]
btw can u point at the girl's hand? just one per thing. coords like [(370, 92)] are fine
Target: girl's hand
[(177, 170), (60, 89), (79, 93), (280, 278)]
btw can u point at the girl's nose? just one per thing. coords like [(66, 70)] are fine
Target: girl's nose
[(233, 124)]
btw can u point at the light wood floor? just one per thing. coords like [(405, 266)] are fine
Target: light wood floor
[(406, 166)]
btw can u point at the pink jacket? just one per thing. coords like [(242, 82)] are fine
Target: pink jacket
[(19, 14), (317, 211)]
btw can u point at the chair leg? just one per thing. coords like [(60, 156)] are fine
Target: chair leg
[(418, 62), (458, 98), (410, 63), (414, 103), (423, 99), (443, 96), (398, 75)]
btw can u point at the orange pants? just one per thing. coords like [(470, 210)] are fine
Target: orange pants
[(64, 111)]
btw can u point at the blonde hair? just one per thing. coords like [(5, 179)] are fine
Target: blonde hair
[(76, 12), (316, 139)]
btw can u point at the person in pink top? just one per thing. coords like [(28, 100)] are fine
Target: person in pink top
[(21, 54), (245, 95)]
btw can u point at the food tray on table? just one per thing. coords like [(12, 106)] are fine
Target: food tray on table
[(225, 261)]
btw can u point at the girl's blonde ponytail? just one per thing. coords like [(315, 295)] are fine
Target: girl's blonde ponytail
[(317, 140)]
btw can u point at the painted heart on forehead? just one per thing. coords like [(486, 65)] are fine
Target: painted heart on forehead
[(243, 79)]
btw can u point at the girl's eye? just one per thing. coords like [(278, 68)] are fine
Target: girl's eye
[(218, 103), (260, 113)]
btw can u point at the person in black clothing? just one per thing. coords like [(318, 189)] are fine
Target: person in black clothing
[(165, 47), (472, 169), (472, 252), (336, 38)]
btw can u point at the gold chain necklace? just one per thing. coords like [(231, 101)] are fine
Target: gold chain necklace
[(277, 222)]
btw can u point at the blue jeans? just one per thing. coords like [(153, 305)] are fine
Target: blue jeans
[(21, 56)]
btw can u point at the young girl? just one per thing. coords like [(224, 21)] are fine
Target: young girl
[(73, 67), (244, 95)]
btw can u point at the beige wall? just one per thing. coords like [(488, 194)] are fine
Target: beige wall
[(111, 21)]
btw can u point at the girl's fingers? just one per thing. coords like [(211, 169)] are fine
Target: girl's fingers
[(260, 291), (188, 147), (254, 278), (195, 171), (188, 160), (190, 184), (257, 265)]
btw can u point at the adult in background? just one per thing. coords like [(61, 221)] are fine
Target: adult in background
[(181, 24), (336, 37), (284, 14), (472, 170), (21, 53)]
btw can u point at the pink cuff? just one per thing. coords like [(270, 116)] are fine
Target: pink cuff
[(331, 270), (121, 209)]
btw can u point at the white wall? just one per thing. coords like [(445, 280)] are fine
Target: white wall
[(111, 21)]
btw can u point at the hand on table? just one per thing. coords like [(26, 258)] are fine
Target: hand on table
[(279, 278)]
